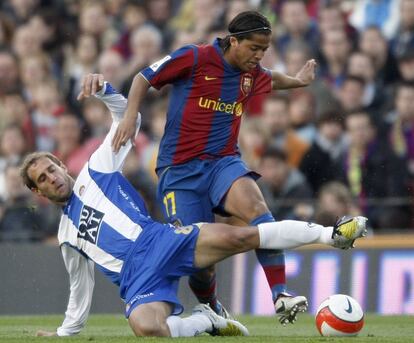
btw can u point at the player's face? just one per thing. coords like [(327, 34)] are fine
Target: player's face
[(247, 53), (52, 181)]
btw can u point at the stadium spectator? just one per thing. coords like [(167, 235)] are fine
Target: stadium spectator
[(298, 26), (83, 60), (351, 93), (199, 17), (405, 64), (111, 65), (151, 255), (14, 110), (383, 14), (69, 148), (254, 137), (203, 121), (322, 162), (9, 73), (18, 220), (233, 8), (19, 11), (47, 106), (404, 38), (96, 118), (284, 188), (6, 30), (149, 154), (373, 172), (13, 146), (276, 117), (331, 17), (134, 15), (34, 70), (93, 20), (336, 48), (374, 98), (400, 126), (47, 22), (294, 57), (334, 201), (26, 41), (302, 114), (146, 47), (159, 13), (373, 43)]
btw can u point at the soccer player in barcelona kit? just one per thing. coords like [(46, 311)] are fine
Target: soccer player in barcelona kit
[(105, 223), (199, 166)]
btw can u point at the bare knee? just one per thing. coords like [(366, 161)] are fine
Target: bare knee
[(146, 329), (256, 208), (150, 319), (240, 239)]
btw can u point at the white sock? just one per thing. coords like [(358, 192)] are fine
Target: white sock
[(292, 234), (191, 326)]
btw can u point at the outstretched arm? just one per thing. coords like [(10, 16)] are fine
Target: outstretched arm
[(81, 277), (303, 78), (127, 126), (104, 159)]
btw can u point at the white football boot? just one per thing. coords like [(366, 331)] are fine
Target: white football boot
[(288, 306), (221, 326)]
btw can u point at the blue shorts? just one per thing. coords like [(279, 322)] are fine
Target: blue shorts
[(193, 191), (161, 255)]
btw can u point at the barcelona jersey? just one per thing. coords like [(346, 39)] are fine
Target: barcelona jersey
[(207, 101)]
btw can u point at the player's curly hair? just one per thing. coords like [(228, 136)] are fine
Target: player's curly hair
[(29, 160), (244, 25)]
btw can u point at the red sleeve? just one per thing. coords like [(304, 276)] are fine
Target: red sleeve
[(263, 82)]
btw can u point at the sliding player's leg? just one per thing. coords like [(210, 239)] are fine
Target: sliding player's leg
[(155, 319), (218, 241), (149, 285)]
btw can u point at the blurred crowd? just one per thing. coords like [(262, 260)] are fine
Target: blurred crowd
[(344, 145)]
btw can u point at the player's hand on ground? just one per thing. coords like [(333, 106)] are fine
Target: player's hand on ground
[(91, 83), (124, 132), (43, 333), (307, 73)]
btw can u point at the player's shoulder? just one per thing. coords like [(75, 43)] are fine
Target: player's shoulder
[(206, 49), (194, 48)]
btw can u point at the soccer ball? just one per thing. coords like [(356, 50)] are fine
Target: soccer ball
[(339, 315)]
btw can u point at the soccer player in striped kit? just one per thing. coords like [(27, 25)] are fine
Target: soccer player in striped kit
[(105, 223), (199, 166)]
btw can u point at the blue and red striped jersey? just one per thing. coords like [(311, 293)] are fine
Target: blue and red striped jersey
[(207, 101)]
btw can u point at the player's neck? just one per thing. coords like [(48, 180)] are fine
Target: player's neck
[(229, 58)]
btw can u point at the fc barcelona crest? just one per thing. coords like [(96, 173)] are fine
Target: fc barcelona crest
[(246, 83)]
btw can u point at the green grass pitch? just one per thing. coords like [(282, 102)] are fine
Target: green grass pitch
[(114, 328)]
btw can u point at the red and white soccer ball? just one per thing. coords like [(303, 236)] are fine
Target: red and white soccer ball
[(339, 315)]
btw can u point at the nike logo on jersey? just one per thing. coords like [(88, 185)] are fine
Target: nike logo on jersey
[(208, 78), (349, 309)]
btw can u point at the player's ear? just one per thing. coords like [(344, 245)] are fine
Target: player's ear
[(233, 41)]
